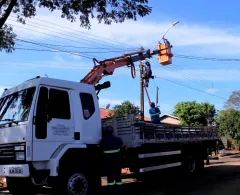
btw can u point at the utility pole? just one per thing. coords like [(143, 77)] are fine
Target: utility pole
[(141, 91), (157, 97)]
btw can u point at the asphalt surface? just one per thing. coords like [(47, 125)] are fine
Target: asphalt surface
[(221, 177)]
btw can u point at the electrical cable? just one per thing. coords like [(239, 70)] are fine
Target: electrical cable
[(73, 35), (109, 40), (190, 87)]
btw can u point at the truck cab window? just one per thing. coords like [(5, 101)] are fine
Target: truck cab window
[(59, 105), (17, 106), (1, 102), (88, 106)]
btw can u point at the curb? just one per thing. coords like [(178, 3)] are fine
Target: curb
[(226, 155)]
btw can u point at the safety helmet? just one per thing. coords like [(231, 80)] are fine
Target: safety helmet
[(147, 63), (152, 104), (108, 129)]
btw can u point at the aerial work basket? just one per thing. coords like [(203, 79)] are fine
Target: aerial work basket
[(165, 55)]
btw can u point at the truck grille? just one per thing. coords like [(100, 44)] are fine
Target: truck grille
[(7, 153)]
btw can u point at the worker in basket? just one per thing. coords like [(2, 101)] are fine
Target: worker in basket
[(112, 147), (154, 113)]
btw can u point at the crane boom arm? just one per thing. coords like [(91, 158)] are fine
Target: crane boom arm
[(108, 66)]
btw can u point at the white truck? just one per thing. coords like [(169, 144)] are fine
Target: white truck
[(50, 131)]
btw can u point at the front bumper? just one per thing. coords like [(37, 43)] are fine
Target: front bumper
[(14, 170)]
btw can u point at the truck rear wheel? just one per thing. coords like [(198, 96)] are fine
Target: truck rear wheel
[(193, 164)]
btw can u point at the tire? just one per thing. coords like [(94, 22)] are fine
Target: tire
[(74, 183), (193, 165), (189, 165), (21, 186)]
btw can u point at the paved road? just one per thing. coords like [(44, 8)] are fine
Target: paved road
[(221, 177)]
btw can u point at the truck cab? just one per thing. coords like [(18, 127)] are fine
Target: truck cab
[(40, 120)]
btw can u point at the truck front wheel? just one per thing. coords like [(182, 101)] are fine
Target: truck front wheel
[(77, 184), (73, 183)]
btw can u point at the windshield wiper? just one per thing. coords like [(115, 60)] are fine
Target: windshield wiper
[(10, 120)]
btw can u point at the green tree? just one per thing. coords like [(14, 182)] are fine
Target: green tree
[(228, 122), (106, 11), (125, 108), (233, 101), (192, 113)]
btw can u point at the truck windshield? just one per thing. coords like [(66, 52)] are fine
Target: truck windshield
[(16, 106)]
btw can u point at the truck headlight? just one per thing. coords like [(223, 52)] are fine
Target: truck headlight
[(20, 156), (18, 148)]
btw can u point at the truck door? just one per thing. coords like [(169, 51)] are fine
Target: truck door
[(53, 121)]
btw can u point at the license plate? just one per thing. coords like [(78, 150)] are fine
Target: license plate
[(16, 170)]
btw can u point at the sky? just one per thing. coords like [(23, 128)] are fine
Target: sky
[(207, 29)]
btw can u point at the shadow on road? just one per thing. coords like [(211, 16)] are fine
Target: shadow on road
[(175, 182), (235, 156)]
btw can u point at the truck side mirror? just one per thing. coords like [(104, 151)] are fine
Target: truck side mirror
[(105, 85)]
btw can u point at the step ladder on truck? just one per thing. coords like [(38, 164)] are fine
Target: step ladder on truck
[(50, 131)]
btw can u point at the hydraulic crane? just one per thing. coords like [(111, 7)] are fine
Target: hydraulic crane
[(108, 66)]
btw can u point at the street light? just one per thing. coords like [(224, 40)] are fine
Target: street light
[(172, 25)]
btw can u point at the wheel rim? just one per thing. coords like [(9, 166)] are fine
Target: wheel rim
[(77, 184), (191, 165)]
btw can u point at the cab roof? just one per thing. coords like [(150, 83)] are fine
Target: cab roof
[(50, 82)]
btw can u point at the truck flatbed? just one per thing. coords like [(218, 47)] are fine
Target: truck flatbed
[(134, 132)]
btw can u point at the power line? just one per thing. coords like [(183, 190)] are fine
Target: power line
[(176, 70), (206, 58), (72, 34), (169, 81), (176, 55), (187, 73), (191, 88), (75, 41), (47, 50), (45, 45), (71, 46), (189, 77), (57, 32), (109, 40)]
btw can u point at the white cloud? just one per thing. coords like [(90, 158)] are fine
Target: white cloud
[(137, 33), (165, 108), (205, 76), (103, 102), (56, 63), (211, 90)]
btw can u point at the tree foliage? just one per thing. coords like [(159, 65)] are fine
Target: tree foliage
[(228, 122), (106, 11), (192, 113), (233, 101), (125, 108)]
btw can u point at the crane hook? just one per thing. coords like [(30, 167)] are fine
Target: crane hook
[(133, 70)]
